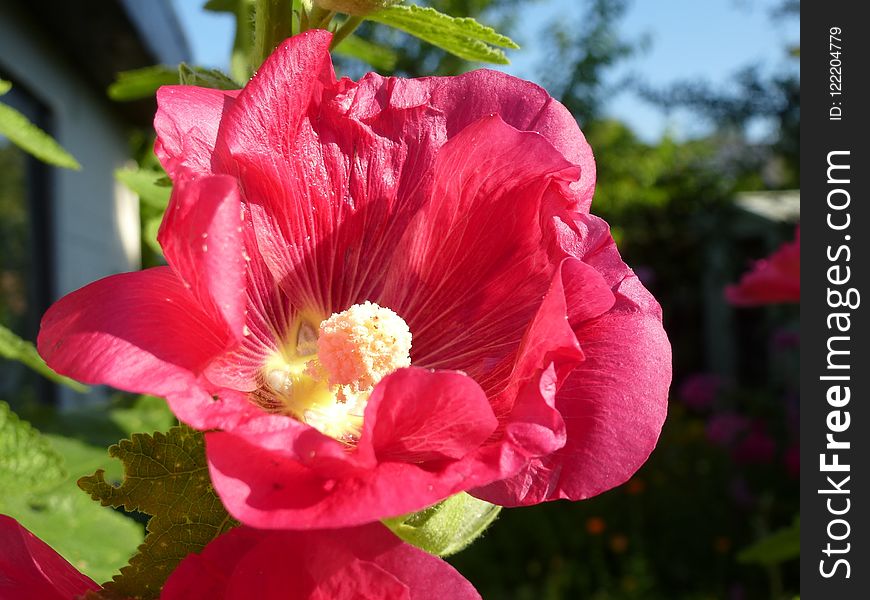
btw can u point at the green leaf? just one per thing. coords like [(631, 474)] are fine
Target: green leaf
[(210, 78), (447, 527), (221, 6), (14, 348), (37, 490), (141, 83), (27, 460), (166, 476), (144, 182), (379, 57), (778, 547), (149, 234), (34, 140), (464, 37), (148, 413), (5, 86)]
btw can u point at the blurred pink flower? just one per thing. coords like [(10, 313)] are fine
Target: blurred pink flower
[(792, 460), (723, 428), (699, 391), (756, 447), (771, 280)]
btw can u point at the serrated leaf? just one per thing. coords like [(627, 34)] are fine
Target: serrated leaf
[(27, 460), (144, 183), (141, 83), (776, 548), (464, 37), (379, 57), (34, 140), (165, 476), (210, 78), (5, 86), (14, 348)]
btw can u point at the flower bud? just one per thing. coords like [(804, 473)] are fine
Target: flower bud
[(447, 527), (358, 8)]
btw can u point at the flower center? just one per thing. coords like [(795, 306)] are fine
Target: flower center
[(325, 378)]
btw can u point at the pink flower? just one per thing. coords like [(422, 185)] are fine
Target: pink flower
[(343, 564), (771, 280), (724, 428), (320, 228), (31, 570), (757, 447), (699, 390)]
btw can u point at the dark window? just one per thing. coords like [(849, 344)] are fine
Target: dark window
[(25, 249)]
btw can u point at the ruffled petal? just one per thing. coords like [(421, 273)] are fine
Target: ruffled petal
[(30, 569), (363, 563), (187, 123), (460, 101), (472, 269), (615, 402)]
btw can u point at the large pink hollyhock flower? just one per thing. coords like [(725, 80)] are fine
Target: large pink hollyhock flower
[(318, 229), (771, 280), (365, 562), (31, 570)]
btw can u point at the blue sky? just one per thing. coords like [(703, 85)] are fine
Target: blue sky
[(689, 39)]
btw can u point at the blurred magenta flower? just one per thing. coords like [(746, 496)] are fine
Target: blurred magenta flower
[(344, 564), (699, 391), (31, 570), (379, 294), (756, 447), (724, 428), (792, 459), (774, 279)]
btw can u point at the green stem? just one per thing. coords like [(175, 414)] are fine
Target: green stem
[(240, 61), (319, 18), (273, 23), (348, 27)]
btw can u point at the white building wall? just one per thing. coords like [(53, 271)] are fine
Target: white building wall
[(95, 220)]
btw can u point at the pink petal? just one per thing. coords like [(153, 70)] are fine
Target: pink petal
[(472, 268), (417, 416), (202, 240), (365, 562), (187, 123), (142, 332), (613, 404), (278, 473), (31, 570), (329, 196), (460, 101)]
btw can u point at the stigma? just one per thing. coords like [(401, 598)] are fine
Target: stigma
[(325, 382)]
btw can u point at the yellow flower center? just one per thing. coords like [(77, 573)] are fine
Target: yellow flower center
[(324, 377)]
